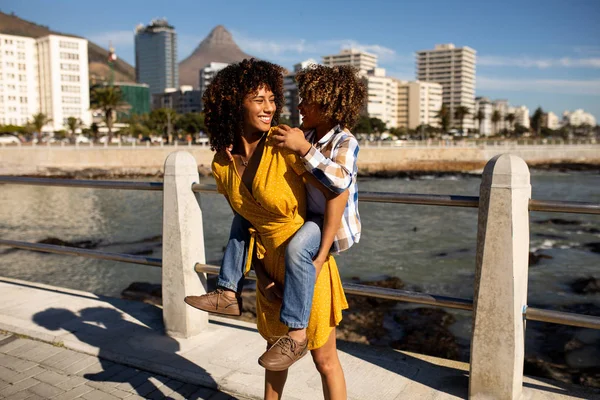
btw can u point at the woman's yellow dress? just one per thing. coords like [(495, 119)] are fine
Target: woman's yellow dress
[(276, 209)]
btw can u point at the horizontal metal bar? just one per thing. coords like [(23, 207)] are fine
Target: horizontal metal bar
[(373, 197), (82, 183), (74, 251), (562, 318), (564, 206), (421, 199), (379, 292)]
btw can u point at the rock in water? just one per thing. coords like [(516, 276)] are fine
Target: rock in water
[(586, 285)]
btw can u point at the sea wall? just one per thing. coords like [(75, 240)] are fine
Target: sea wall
[(45, 160)]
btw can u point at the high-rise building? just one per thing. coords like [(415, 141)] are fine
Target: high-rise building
[(156, 56), (551, 121), (578, 118), (418, 104), (483, 105), (454, 69), (521, 114), (19, 86), (382, 97), (501, 109), (184, 100), (208, 73), (361, 60), (47, 75), (290, 93)]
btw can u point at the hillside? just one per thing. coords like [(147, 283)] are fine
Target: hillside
[(98, 69)]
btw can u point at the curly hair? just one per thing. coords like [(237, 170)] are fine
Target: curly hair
[(224, 97), (338, 91)]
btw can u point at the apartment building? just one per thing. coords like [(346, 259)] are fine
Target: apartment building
[(290, 93), (156, 56), (454, 69), (19, 87), (484, 126), (578, 118), (521, 114), (184, 100), (418, 103), (361, 60), (551, 121), (47, 75), (382, 97), (63, 79)]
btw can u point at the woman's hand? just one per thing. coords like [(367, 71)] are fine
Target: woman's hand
[(267, 286), (318, 263)]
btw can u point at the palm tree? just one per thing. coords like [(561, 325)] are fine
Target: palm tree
[(444, 116), (496, 117), (73, 124), (460, 113), (39, 121), (479, 116), (110, 100), (510, 118)]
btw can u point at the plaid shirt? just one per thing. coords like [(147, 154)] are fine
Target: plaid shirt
[(332, 160)]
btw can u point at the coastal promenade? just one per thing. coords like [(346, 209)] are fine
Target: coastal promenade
[(64, 344), (442, 156)]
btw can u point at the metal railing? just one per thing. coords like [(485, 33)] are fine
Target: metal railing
[(530, 313)]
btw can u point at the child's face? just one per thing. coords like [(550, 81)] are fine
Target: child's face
[(259, 108), (311, 114)]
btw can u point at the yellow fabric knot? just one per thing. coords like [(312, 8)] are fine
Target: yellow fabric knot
[(260, 249)]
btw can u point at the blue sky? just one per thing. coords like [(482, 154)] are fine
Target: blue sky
[(531, 52)]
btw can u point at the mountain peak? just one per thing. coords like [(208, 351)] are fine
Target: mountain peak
[(218, 46)]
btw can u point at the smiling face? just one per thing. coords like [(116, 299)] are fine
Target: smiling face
[(311, 115), (259, 108)]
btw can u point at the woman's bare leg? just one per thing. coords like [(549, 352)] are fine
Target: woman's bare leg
[(329, 366), (274, 383)]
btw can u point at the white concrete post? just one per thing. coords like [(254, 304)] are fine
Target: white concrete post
[(498, 341), (183, 246)]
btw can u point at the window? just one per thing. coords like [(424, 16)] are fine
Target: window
[(22, 67), (20, 44), (69, 78), (22, 78), (71, 100), (10, 65), (10, 76), (9, 53), (7, 41), (69, 67), (68, 56), (68, 45), (70, 88), (20, 56), (23, 100)]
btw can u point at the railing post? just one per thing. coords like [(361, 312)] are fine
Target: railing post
[(183, 246), (498, 341)]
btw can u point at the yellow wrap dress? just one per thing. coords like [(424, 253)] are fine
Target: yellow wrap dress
[(276, 209)]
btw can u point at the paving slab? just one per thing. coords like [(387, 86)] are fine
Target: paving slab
[(118, 346)]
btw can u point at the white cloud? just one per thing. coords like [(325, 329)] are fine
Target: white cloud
[(302, 48), (557, 86), (540, 63), (117, 38)]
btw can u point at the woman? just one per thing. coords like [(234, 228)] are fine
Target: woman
[(264, 185)]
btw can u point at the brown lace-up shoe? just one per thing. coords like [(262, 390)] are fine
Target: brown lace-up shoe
[(283, 354), (216, 302)]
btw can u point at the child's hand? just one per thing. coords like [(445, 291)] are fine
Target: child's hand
[(271, 291), (291, 138), (227, 152)]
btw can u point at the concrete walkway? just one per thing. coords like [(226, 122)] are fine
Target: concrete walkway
[(30, 369), (98, 338)]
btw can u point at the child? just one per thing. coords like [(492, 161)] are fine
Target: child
[(332, 98)]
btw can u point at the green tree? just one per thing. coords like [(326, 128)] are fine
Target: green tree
[(364, 125), (163, 120), (73, 124), (192, 123), (109, 100), (377, 125), (460, 114), (39, 120), (137, 125), (510, 118), (444, 116), (94, 129), (479, 116), (536, 120), (496, 117)]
